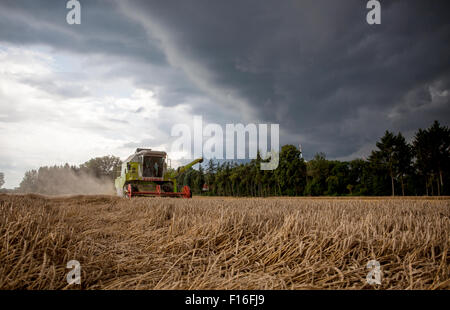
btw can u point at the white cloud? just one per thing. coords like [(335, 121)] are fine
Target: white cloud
[(43, 125)]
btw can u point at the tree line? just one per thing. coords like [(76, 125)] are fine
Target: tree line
[(97, 174), (394, 168)]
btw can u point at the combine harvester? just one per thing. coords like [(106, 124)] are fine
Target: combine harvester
[(145, 174)]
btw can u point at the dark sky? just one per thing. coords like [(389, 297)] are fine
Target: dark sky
[(332, 82), (316, 67)]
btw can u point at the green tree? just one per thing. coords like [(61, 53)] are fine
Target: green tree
[(341, 172), (332, 185), (359, 177), (210, 177), (29, 182), (199, 180), (291, 171), (236, 179), (432, 152), (403, 159), (385, 157), (318, 172), (102, 166)]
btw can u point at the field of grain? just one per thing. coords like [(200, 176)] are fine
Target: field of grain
[(223, 243)]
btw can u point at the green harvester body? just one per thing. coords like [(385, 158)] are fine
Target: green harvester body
[(146, 173)]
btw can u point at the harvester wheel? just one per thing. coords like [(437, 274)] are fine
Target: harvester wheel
[(158, 190), (167, 187), (129, 191), (186, 192)]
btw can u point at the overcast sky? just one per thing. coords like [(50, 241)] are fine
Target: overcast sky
[(133, 69)]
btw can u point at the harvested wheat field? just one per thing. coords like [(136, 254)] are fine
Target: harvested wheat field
[(223, 243)]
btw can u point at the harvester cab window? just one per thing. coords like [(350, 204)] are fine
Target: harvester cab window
[(156, 168), (153, 166)]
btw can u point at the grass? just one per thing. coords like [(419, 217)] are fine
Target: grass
[(223, 243)]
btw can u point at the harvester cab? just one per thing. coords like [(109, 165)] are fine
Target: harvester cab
[(145, 173)]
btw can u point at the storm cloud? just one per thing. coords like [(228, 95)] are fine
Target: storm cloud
[(315, 67)]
